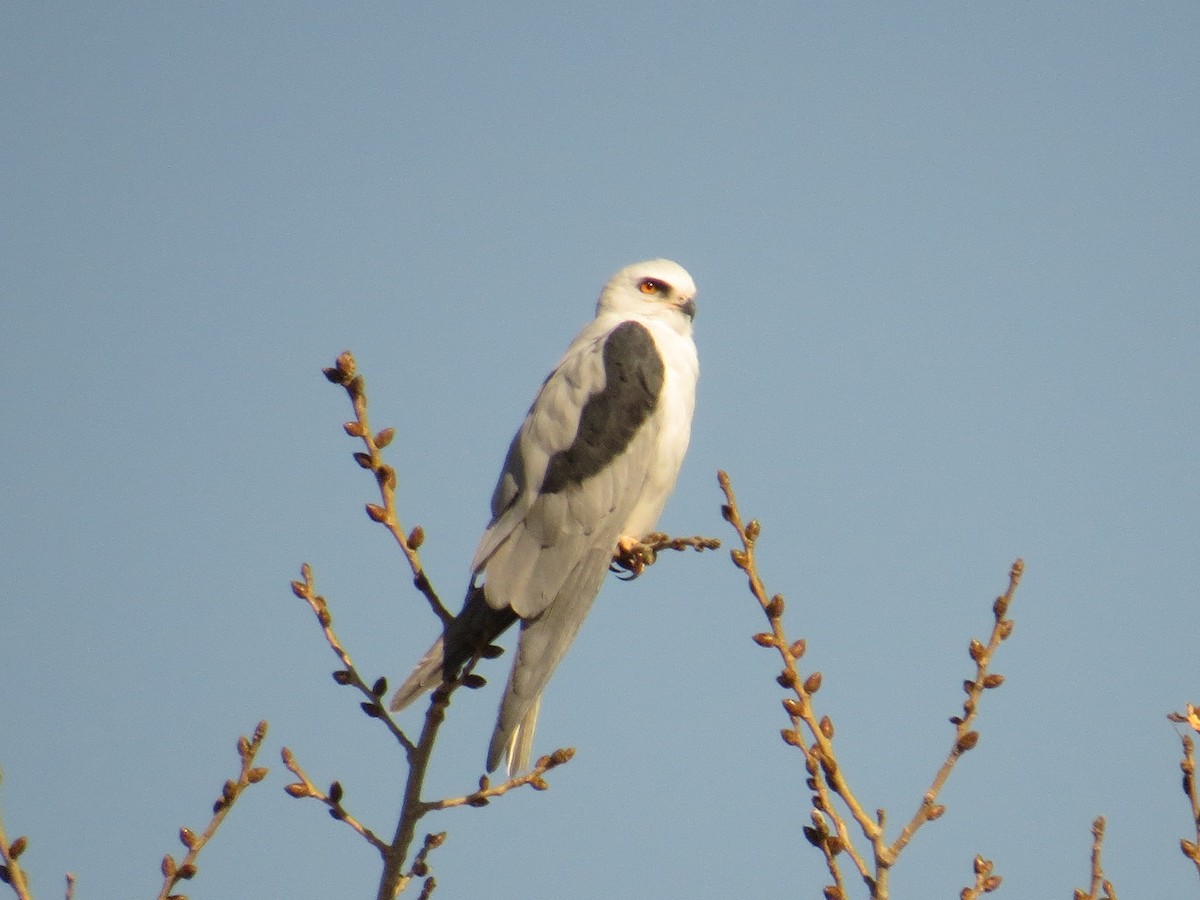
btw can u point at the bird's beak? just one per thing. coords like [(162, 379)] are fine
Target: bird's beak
[(688, 308)]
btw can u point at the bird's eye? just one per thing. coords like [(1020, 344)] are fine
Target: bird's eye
[(651, 286)]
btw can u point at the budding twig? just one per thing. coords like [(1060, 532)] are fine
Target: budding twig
[(1187, 765), (344, 372), (11, 872), (830, 831), (1099, 887), (174, 872)]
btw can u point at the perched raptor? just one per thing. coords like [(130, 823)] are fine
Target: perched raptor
[(587, 474)]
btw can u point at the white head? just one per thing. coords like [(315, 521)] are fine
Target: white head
[(657, 289)]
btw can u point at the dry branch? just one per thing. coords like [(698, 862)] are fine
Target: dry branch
[(832, 830)]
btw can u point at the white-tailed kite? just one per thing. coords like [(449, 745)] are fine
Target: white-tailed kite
[(588, 473)]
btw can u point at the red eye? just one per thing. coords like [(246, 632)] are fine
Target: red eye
[(650, 286)]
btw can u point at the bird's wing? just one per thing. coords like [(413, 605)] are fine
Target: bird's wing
[(575, 469)]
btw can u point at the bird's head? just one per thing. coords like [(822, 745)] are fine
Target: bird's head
[(657, 288)]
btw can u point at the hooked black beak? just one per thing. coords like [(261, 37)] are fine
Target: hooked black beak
[(688, 308)]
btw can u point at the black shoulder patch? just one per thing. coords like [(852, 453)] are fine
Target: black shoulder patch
[(633, 379)]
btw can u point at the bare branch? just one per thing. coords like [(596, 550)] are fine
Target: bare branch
[(965, 737), (1099, 888), (185, 869), (985, 881), (11, 872), (1190, 717), (344, 372), (373, 706), (534, 778)]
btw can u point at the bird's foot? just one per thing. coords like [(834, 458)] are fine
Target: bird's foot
[(631, 557)]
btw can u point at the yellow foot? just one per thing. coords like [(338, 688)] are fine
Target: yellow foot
[(631, 556)]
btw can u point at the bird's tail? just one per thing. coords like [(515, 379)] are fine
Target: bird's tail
[(464, 637), (543, 643)]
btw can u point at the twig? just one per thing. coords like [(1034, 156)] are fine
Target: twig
[(630, 564), (830, 831), (70, 886), (819, 757), (1190, 717), (331, 798), (985, 881), (185, 869), (11, 872), (344, 372), (487, 790), (965, 738), (1099, 888), (348, 674)]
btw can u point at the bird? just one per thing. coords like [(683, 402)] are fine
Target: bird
[(586, 477)]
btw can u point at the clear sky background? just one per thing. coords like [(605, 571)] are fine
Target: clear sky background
[(948, 257)]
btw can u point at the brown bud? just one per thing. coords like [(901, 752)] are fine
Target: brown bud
[(416, 537), (967, 742), (798, 648), (791, 736), (993, 681), (991, 883), (384, 437), (812, 684), (935, 812), (473, 681), (379, 688), (827, 727), (168, 866), (814, 837), (17, 847), (491, 651), (363, 459), (726, 512), (354, 429), (539, 784), (833, 892), (753, 529), (433, 841), (1006, 629), (834, 843), (420, 868), (738, 557), (1190, 850), (298, 789), (387, 476), (766, 639), (355, 385), (977, 650), (373, 710), (775, 607), (334, 375), (376, 512), (257, 774), (187, 871), (299, 589), (341, 676), (969, 685), (1000, 607), (187, 837), (562, 755), (336, 813), (787, 678), (793, 706)]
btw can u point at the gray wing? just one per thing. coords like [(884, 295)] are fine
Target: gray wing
[(574, 472)]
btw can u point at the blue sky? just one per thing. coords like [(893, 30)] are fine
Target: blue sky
[(947, 256)]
